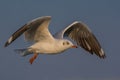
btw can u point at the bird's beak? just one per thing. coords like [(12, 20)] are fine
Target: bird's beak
[(74, 46)]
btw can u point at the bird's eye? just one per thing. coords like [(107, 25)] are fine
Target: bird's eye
[(63, 43), (67, 43)]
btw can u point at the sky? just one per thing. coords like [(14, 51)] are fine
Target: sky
[(102, 17)]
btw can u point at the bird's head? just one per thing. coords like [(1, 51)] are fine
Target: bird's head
[(67, 44)]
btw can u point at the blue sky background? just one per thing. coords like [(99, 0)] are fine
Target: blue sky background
[(102, 16)]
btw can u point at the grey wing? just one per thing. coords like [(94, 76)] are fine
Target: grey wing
[(33, 31), (39, 29), (82, 35)]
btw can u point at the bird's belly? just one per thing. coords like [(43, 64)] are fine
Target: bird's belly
[(46, 49), (50, 51)]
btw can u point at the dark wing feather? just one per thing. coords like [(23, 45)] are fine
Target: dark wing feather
[(80, 33), (31, 30), (16, 34)]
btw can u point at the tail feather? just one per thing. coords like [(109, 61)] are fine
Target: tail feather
[(23, 52)]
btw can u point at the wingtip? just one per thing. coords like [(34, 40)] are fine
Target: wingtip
[(6, 44), (102, 54), (102, 57), (9, 41)]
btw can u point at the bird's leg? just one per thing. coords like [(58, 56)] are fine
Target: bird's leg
[(33, 58)]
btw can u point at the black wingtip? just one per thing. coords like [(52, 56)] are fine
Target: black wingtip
[(9, 41), (6, 44), (103, 56)]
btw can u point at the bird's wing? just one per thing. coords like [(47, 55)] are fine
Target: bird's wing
[(35, 30), (82, 35)]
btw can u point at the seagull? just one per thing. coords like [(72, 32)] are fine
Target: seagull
[(44, 42)]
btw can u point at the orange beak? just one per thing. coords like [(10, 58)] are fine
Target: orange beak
[(74, 46)]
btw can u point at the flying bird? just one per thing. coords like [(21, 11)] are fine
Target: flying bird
[(44, 42)]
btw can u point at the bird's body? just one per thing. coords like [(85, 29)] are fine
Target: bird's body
[(44, 43), (49, 47)]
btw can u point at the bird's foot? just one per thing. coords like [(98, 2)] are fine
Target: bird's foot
[(33, 58)]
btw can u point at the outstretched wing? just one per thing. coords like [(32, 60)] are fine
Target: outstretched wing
[(34, 30), (82, 35)]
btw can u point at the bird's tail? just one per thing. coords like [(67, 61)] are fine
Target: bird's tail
[(23, 52)]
